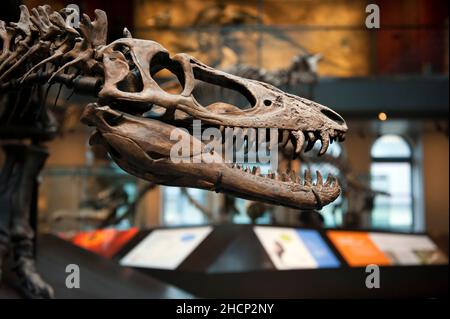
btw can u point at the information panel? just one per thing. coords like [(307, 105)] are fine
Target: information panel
[(409, 249), (362, 248), (290, 248), (104, 242), (165, 248)]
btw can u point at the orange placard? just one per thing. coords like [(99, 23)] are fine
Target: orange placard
[(357, 248), (105, 242)]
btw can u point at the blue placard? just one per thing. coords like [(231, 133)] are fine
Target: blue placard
[(318, 248)]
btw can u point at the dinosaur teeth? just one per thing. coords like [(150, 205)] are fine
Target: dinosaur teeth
[(319, 181), (300, 141), (325, 143), (336, 183), (285, 138), (307, 178), (256, 171), (329, 180), (293, 176), (311, 141)]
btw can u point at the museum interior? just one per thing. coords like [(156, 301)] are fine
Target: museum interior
[(377, 72)]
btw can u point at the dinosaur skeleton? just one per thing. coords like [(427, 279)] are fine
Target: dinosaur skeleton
[(45, 47)]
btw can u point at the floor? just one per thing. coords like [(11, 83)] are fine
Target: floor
[(99, 277)]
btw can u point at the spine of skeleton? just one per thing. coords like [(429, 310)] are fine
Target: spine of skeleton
[(45, 44)]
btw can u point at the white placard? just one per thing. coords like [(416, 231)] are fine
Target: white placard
[(165, 248), (285, 248), (403, 249)]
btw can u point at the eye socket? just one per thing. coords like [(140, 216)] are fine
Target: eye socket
[(267, 102)]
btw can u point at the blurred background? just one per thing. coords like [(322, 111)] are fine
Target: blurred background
[(390, 84)]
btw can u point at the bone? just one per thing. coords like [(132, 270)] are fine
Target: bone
[(19, 62), (311, 141), (307, 178), (58, 20), (300, 141), (95, 32), (72, 15), (285, 138), (24, 24), (20, 29), (336, 183), (325, 143), (58, 54), (319, 179), (127, 33), (328, 180), (6, 36), (41, 21), (293, 176)]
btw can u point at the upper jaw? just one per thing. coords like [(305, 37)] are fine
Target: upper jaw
[(301, 121)]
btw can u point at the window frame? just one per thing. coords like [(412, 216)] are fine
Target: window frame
[(399, 159)]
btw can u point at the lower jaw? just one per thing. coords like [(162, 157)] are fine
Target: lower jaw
[(234, 184)]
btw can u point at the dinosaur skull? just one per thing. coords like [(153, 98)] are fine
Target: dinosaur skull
[(142, 146)]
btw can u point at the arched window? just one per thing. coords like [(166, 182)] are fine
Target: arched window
[(391, 172)]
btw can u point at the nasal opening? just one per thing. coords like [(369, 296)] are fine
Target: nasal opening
[(333, 116)]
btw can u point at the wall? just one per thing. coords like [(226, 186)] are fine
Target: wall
[(436, 182)]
